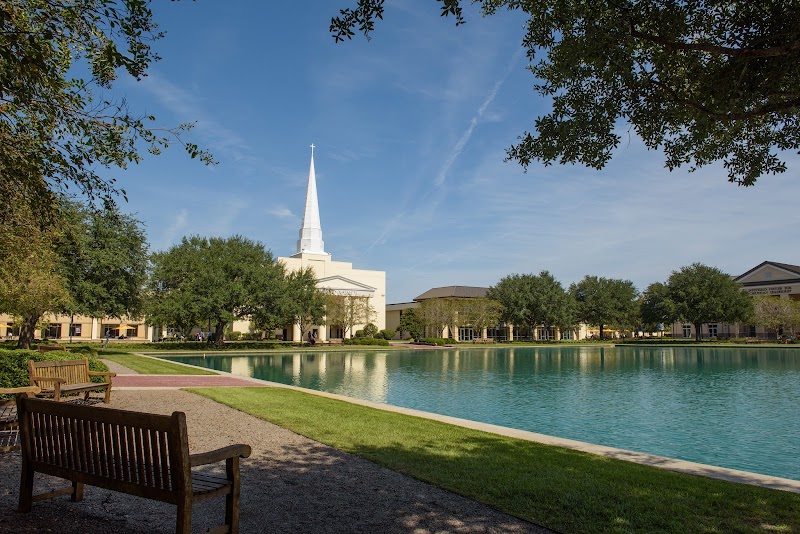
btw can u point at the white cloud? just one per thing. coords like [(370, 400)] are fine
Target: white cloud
[(282, 212)]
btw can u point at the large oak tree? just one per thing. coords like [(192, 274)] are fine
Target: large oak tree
[(532, 300), (605, 301), (703, 294), (214, 279), (702, 80)]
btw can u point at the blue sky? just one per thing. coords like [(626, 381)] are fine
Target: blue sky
[(410, 130)]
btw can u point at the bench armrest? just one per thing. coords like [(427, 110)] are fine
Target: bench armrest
[(210, 457), (54, 379), (26, 389), (108, 374)]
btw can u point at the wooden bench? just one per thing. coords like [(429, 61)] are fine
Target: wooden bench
[(140, 454), (50, 348), (66, 377), (9, 426)]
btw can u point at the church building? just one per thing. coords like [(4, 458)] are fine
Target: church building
[(337, 277)]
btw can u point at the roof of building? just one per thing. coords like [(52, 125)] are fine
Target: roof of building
[(453, 292), (785, 266)]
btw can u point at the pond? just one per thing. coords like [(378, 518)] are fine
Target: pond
[(734, 407)]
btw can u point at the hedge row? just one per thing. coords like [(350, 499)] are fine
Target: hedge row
[(366, 341), (439, 341)]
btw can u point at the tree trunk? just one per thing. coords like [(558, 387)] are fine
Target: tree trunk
[(601, 331), (27, 331), (219, 334), (697, 330)]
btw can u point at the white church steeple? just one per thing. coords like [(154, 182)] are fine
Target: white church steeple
[(311, 232)]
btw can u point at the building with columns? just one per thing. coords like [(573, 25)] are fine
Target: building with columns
[(338, 277), (500, 332)]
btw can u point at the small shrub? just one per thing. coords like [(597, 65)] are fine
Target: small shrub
[(386, 334), (370, 330), (359, 333), (233, 336)]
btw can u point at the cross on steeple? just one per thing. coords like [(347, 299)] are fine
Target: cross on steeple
[(312, 150)]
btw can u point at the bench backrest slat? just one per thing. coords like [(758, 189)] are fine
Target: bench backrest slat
[(143, 453), (73, 371)]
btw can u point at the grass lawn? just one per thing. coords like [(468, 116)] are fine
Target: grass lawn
[(562, 489), (150, 366)]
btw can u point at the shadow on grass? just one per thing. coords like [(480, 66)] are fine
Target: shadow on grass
[(562, 489), (572, 491)]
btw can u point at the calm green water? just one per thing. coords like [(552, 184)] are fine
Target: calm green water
[(736, 408)]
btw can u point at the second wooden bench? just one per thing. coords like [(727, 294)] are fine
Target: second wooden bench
[(67, 377)]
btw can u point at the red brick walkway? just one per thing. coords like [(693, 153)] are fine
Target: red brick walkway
[(179, 381)]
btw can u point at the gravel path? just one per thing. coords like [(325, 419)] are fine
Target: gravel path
[(290, 484)]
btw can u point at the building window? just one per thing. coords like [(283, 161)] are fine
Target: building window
[(567, 335), (336, 332), (465, 333), (546, 334), (687, 330), (497, 333), (75, 330), (712, 330), (52, 332)]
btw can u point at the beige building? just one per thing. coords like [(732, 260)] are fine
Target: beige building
[(80, 328), (769, 278), (501, 332)]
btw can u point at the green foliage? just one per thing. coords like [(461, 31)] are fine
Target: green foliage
[(702, 81), (359, 333), (439, 341), (30, 280), (103, 255), (480, 313), (533, 300), (347, 311), (14, 365), (386, 333), (411, 322), (370, 330), (59, 131), (221, 279), (435, 314), (366, 341), (704, 294), (233, 336), (304, 302), (656, 307), (604, 301)]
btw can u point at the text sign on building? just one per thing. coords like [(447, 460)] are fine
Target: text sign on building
[(779, 290)]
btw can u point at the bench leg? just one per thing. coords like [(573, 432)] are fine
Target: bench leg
[(25, 488), (107, 398), (232, 499), (77, 492), (184, 521)]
